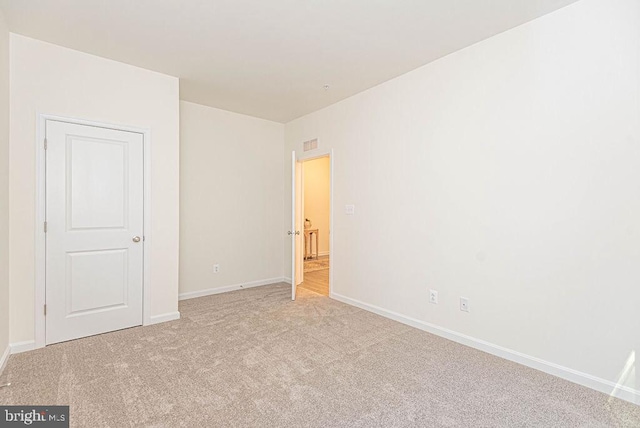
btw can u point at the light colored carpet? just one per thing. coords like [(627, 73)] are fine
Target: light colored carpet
[(254, 358)]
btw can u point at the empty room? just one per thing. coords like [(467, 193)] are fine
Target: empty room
[(276, 213)]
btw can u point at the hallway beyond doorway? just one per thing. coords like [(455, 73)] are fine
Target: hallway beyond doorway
[(316, 275)]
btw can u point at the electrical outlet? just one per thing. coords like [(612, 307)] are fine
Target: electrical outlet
[(464, 304), (433, 296), (349, 209), (216, 268)]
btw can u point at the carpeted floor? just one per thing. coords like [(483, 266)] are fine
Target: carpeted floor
[(254, 358)]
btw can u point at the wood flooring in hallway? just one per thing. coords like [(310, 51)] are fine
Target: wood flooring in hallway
[(317, 281)]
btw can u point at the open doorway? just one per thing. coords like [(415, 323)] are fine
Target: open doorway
[(316, 218), (311, 222)]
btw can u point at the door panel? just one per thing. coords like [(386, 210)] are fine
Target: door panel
[(94, 269), (86, 292), (96, 203)]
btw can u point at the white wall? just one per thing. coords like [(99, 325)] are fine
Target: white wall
[(507, 173), (317, 199), (231, 199), (4, 187), (49, 79)]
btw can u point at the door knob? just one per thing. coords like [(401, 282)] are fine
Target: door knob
[(136, 239)]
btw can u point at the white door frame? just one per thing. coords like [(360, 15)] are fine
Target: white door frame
[(40, 236), (315, 154)]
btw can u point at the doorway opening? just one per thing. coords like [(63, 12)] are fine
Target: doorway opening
[(312, 222), (316, 209)]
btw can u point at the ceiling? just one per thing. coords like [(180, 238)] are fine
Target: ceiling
[(271, 58)]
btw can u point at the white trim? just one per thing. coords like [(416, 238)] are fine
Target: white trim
[(226, 289), (314, 154), (40, 237), (287, 280), (4, 358), (157, 319), (18, 347), (331, 216), (323, 253), (584, 379), (147, 238), (294, 183)]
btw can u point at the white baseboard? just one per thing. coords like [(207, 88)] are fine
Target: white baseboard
[(226, 289), (18, 347), (157, 319), (287, 280), (584, 379), (4, 358), (29, 345)]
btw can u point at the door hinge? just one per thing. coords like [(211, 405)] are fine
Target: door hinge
[(45, 227), (45, 144), (45, 310)]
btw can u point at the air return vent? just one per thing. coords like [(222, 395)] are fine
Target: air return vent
[(311, 145)]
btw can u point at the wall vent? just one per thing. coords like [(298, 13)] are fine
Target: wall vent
[(311, 145)]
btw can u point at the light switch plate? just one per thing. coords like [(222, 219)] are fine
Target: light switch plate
[(349, 209)]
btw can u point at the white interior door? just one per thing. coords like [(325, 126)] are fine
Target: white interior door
[(94, 242)]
